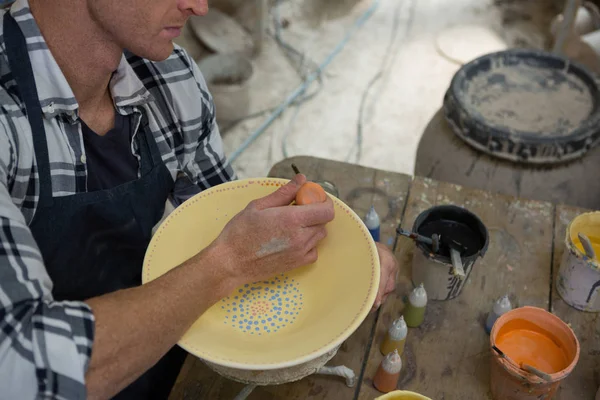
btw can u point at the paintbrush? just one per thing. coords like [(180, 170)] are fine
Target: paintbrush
[(455, 255), (524, 367), (536, 372), (434, 242), (296, 170)]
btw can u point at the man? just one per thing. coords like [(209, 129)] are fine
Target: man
[(93, 141)]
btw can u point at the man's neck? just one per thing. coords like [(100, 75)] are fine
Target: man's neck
[(83, 51)]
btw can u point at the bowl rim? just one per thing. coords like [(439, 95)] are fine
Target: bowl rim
[(339, 338)]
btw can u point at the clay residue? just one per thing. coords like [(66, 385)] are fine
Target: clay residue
[(276, 245), (529, 99)]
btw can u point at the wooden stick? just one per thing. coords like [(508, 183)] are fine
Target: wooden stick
[(536, 372)]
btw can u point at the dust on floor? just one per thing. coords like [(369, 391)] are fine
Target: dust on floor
[(408, 93)]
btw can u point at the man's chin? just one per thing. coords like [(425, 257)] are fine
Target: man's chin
[(158, 52)]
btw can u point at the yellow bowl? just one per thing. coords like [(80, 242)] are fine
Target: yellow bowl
[(402, 395), (289, 319)]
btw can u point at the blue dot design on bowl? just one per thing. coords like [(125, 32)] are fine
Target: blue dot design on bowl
[(265, 307)]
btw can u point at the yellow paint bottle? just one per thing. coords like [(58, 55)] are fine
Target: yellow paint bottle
[(395, 337), (414, 313)]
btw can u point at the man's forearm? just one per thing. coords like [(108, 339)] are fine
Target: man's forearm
[(136, 327)]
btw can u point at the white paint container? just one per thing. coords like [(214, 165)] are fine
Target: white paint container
[(578, 280)]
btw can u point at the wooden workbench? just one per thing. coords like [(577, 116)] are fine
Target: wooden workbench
[(448, 356)]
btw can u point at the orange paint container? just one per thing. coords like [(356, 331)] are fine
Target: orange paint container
[(532, 336)]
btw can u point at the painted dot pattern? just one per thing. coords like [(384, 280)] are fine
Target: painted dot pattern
[(265, 307)]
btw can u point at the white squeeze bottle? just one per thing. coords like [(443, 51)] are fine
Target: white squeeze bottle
[(501, 306)]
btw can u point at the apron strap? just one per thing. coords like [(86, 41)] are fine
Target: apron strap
[(20, 65), (153, 147), (146, 159), (150, 143)]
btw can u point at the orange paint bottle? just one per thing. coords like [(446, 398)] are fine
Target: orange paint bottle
[(388, 373)]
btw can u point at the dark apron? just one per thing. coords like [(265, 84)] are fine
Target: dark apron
[(94, 243)]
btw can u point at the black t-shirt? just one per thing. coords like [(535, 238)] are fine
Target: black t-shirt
[(109, 159)]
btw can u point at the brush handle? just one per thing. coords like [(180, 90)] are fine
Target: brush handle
[(458, 269), (435, 242), (587, 245), (537, 372), (415, 236), (524, 367)]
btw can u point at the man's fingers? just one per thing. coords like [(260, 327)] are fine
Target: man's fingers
[(384, 298), (377, 303), (385, 289), (318, 233), (387, 282), (391, 282), (390, 285), (315, 214), (311, 256), (282, 196)]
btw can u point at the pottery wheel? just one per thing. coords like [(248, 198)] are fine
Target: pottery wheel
[(526, 106)]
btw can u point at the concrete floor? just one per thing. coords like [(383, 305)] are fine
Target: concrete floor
[(406, 96)]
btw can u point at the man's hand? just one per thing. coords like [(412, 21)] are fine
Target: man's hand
[(389, 270), (270, 236)]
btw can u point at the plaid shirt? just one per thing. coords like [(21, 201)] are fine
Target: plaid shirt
[(45, 345)]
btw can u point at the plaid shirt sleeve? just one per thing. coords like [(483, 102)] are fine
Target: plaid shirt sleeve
[(45, 346)]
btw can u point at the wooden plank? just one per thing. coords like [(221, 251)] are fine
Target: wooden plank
[(583, 382), (356, 187), (447, 357)]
